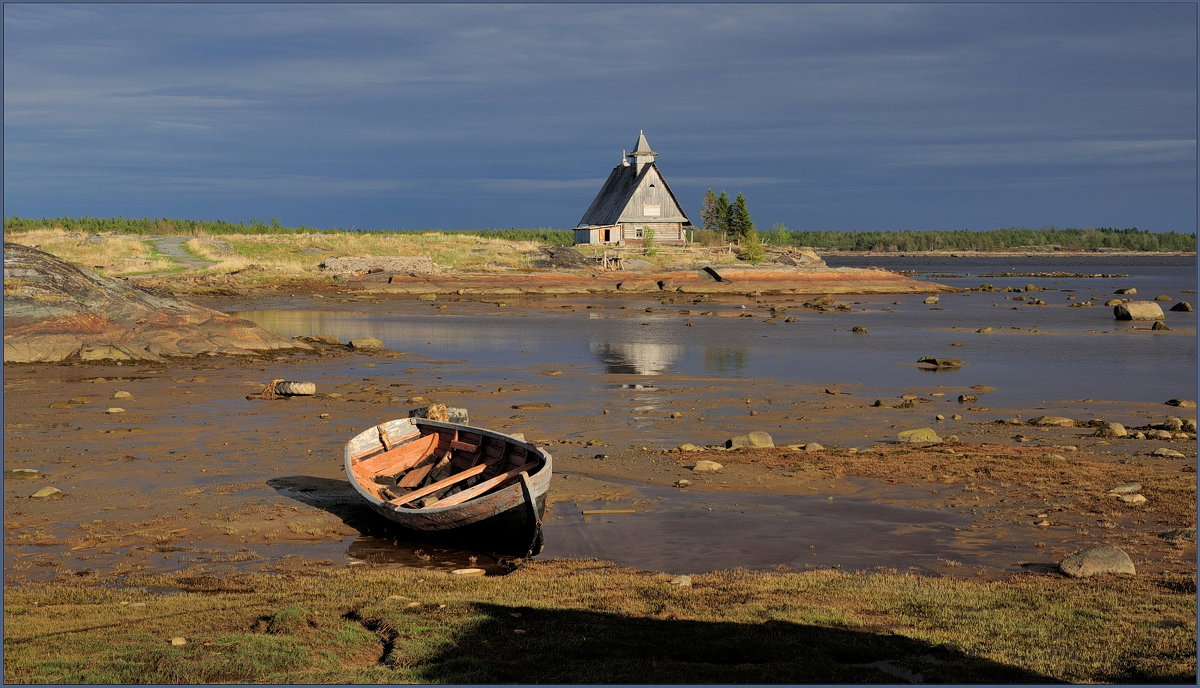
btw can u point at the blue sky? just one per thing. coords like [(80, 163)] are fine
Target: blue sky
[(851, 116)]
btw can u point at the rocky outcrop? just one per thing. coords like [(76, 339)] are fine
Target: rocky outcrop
[(56, 311)]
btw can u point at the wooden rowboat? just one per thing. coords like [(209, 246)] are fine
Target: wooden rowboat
[(437, 477)]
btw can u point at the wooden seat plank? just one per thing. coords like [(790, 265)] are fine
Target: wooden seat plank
[(476, 490), (441, 484)]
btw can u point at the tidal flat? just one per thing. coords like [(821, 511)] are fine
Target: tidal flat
[(194, 497)]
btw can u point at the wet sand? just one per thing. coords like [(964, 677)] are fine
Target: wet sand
[(194, 476)]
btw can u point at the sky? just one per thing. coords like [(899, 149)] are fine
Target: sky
[(826, 116)]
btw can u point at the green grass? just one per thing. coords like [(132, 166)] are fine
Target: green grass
[(587, 622)]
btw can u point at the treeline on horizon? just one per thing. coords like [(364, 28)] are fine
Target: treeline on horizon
[(1070, 238)]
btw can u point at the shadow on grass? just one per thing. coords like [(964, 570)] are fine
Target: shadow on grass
[(528, 645)]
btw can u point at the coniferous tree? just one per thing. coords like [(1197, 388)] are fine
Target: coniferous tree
[(740, 223), (723, 215), (710, 215)]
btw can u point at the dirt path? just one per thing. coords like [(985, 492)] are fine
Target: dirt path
[(174, 248)]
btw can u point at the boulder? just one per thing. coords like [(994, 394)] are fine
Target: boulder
[(1112, 430), (919, 435), (1164, 453), (1052, 422), (55, 310), (366, 343), (1181, 403), (1097, 560), (1159, 325), (1130, 291), (705, 466), (752, 439), (1138, 310), (1163, 297), (1182, 307)]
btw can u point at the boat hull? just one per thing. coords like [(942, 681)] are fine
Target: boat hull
[(506, 520)]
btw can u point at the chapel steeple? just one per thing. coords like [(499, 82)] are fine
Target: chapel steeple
[(642, 155)]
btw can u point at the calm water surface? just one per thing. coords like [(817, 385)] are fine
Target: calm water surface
[(1035, 354)]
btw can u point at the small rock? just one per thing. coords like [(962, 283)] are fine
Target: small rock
[(859, 329), (689, 448), (1165, 453), (325, 338), (1114, 302), (1182, 403), (1182, 307), (682, 581), (940, 362), (705, 466), (676, 414), (1159, 435), (930, 300), (1097, 560), (918, 435), (1163, 297), (1159, 325), (682, 482), (751, 439), (1127, 488), (22, 473), (812, 447), (60, 405), (1112, 430), (366, 343), (427, 297), (121, 394), (1179, 534), (1128, 291), (1054, 457), (1132, 498), (967, 398), (115, 409), (984, 330), (47, 492), (1052, 422), (179, 640), (1043, 523)]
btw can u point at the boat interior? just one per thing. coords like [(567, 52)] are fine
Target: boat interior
[(428, 467)]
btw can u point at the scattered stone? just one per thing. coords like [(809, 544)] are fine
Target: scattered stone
[(1138, 310), (325, 339), (1179, 534), (676, 414), (1159, 325), (1182, 403), (22, 473), (1159, 435), (705, 466), (984, 330), (1114, 302), (1127, 488), (831, 390), (1112, 430), (178, 640), (1054, 457), (878, 403), (47, 492), (60, 405), (682, 482), (366, 343), (751, 439), (689, 448), (1163, 297), (1132, 498), (812, 447), (1129, 291), (450, 414), (930, 300), (940, 362), (1182, 307), (295, 388), (1172, 424), (115, 409), (1043, 523), (1052, 422), (121, 394), (1097, 560), (859, 329), (532, 405), (427, 297), (1164, 453), (918, 435), (967, 398), (939, 417), (682, 581)]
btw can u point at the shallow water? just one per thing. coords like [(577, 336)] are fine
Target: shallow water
[(1036, 354)]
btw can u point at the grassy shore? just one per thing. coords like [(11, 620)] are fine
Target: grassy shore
[(582, 621)]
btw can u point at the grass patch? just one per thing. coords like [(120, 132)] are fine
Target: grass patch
[(108, 254), (582, 621)]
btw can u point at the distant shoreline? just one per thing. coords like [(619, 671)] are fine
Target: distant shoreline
[(1022, 253)]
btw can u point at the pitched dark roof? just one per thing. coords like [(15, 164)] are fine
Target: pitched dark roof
[(610, 205)]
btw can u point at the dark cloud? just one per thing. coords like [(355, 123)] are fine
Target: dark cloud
[(837, 116)]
